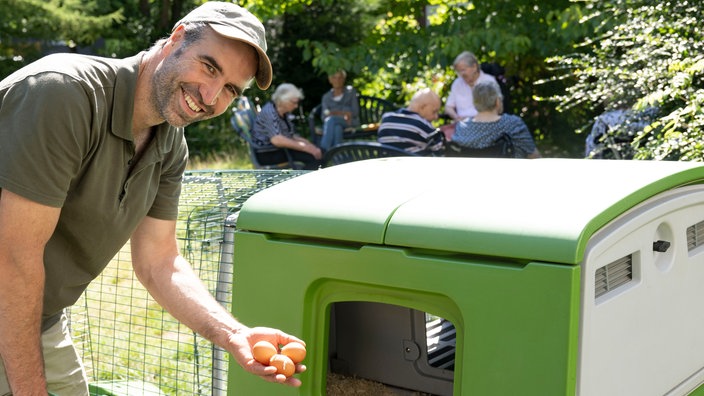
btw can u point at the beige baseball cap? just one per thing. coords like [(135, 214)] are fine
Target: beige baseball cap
[(232, 21)]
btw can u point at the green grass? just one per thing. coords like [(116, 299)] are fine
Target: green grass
[(128, 336), (239, 159)]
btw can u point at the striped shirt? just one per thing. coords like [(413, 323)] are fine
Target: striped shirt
[(409, 131)]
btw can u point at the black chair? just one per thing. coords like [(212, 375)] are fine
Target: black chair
[(358, 151), (502, 148), (242, 121), (371, 109)]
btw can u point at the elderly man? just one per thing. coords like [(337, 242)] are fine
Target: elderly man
[(410, 128), (80, 177)]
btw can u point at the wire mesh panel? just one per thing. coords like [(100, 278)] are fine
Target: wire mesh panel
[(129, 344)]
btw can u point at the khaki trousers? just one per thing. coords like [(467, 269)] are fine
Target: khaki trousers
[(64, 369)]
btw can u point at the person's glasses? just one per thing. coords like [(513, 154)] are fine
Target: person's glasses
[(294, 101)]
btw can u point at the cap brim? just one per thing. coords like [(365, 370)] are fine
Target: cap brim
[(264, 70)]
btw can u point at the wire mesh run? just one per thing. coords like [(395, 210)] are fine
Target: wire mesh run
[(129, 344)]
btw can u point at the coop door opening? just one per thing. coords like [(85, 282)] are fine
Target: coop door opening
[(394, 345)]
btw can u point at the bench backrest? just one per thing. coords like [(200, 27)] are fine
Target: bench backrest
[(372, 108)]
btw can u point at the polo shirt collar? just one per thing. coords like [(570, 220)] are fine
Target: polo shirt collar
[(123, 105), (123, 97)]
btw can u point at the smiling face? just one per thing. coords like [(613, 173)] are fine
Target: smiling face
[(468, 73), (198, 80)]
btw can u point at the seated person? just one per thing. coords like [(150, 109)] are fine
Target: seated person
[(489, 124), (460, 102), (410, 128), (340, 110), (619, 125), (274, 128)]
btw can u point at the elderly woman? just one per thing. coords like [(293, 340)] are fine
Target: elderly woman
[(490, 124), (460, 104), (274, 128)]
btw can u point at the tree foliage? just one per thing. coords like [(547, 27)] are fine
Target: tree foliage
[(28, 27), (644, 54), (338, 21)]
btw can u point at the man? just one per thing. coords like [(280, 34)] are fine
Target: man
[(410, 128), (460, 102), (92, 154)]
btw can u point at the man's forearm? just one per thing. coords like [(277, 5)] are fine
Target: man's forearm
[(295, 143), (179, 290), (450, 111), (20, 329), (25, 228)]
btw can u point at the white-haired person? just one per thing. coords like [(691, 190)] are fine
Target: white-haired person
[(489, 124), (460, 102), (274, 128)]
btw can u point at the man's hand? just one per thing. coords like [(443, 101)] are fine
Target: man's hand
[(314, 151), (241, 343)]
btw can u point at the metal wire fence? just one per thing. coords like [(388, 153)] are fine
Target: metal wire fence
[(129, 344)]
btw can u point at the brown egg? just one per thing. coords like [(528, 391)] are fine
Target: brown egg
[(263, 351), (284, 365), (295, 350)]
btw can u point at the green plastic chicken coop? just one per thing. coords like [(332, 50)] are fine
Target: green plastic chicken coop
[(554, 276)]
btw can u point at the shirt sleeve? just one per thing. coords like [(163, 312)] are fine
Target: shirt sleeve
[(266, 125), (521, 136), (452, 97), (325, 104), (166, 202), (354, 106), (43, 138)]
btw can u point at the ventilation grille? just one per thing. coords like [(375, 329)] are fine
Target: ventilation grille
[(695, 235), (613, 275)]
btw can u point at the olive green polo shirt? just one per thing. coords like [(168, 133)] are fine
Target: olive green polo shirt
[(66, 141)]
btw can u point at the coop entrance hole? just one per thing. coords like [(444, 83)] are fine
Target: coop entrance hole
[(394, 345)]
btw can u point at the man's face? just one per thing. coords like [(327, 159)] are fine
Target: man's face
[(200, 80), (469, 74)]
